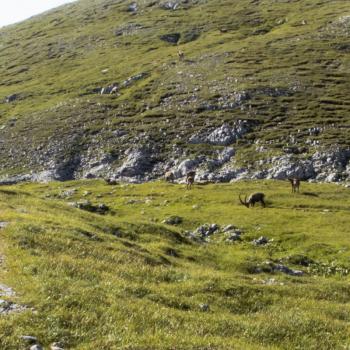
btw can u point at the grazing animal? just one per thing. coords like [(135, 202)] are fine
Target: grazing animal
[(190, 179), (295, 182), (252, 199), (169, 176)]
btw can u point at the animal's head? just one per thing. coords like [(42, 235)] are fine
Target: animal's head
[(245, 203)]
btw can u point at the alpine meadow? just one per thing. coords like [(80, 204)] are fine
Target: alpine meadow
[(175, 175)]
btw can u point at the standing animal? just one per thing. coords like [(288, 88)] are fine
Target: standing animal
[(190, 179), (181, 55), (252, 199), (295, 182), (169, 176)]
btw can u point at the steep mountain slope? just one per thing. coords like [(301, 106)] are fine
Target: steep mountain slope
[(270, 78)]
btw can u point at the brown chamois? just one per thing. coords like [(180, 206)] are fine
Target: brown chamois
[(190, 179), (169, 176), (252, 199), (181, 55), (295, 182)]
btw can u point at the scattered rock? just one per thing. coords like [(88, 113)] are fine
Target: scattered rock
[(270, 267), (11, 98), (132, 7), (6, 291), (207, 230), (110, 89), (68, 193), (234, 237), (301, 260), (7, 307), (204, 307), (36, 347), (287, 270), (3, 224), (171, 38), (261, 241), (128, 29), (135, 201), (134, 78), (173, 220), (203, 233), (272, 282), (29, 339), (229, 228), (86, 205), (56, 346), (169, 5)]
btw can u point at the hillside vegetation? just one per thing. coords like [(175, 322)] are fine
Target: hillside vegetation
[(126, 280), (282, 66), (260, 91)]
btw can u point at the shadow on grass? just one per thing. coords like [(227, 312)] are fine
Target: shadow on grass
[(310, 194)]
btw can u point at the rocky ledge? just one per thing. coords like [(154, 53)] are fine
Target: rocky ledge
[(145, 159)]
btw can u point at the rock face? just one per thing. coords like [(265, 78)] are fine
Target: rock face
[(137, 163), (222, 136), (140, 158), (185, 166), (328, 166), (143, 163)]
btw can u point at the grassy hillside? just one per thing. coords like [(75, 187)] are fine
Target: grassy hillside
[(126, 280), (283, 65)]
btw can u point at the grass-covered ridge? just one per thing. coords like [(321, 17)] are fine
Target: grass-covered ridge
[(125, 280), (284, 65)]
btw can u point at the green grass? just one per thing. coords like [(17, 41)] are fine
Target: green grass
[(125, 280)]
